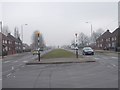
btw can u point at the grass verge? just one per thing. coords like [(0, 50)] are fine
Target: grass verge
[(58, 53)]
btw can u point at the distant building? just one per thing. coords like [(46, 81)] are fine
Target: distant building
[(26, 48)]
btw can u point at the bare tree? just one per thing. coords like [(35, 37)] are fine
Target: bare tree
[(83, 40), (96, 34)]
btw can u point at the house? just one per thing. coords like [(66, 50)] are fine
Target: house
[(109, 41), (17, 44), (10, 44), (104, 41)]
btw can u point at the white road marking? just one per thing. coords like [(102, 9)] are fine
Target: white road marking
[(6, 62), (114, 65), (115, 57), (12, 68), (97, 58), (0, 79), (8, 74), (25, 61), (15, 61)]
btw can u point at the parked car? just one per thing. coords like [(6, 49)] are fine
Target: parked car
[(87, 51)]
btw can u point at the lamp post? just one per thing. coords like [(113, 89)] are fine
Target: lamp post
[(22, 30), (76, 48), (91, 29)]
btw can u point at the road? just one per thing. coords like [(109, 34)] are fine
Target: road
[(100, 74), (17, 61)]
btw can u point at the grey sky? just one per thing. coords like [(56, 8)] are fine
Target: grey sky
[(59, 21)]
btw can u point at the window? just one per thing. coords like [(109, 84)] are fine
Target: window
[(112, 39), (3, 41), (113, 44), (109, 45), (6, 48)]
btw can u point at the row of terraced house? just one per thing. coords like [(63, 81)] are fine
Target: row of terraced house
[(109, 41), (10, 44)]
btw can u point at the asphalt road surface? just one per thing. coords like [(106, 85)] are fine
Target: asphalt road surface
[(100, 74)]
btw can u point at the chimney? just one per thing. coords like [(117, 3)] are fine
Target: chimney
[(9, 34), (107, 30)]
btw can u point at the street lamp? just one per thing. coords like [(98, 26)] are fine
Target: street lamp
[(91, 28), (22, 30)]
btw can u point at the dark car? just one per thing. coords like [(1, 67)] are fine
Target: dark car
[(87, 51)]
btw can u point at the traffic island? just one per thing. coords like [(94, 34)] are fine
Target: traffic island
[(60, 56)]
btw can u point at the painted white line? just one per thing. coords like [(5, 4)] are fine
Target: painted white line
[(0, 79), (8, 74), (15, 61), (114, 65), (6, 62), (12, 68), (115, 57), (97, 58), (25, 61)]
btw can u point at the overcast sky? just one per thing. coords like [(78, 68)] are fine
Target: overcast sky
[(59, 21)]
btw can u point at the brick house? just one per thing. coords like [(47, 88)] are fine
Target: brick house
[(108, 40), (10, 45), (104, 41), (16, 44)]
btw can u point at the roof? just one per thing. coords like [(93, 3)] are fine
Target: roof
[(105, 35), (13, 38)]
